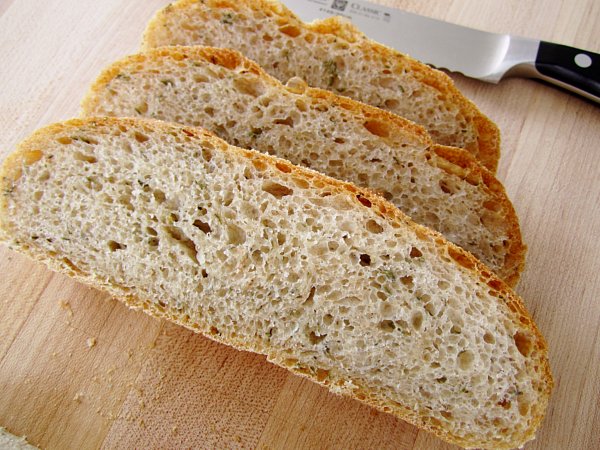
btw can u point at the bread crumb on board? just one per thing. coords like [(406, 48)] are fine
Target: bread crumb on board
[(78, 397), (64, 304), (91, 342)]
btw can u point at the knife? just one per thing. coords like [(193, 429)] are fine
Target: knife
[(477, 54)]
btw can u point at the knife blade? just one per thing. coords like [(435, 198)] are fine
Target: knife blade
[(475, 53)]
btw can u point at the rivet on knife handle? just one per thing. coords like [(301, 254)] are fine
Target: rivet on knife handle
[(571, 68)]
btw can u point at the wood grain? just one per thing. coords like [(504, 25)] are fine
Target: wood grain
[(79, 370)]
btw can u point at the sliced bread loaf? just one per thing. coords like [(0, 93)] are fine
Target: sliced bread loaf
[(331, 55), (440, 187), (325, 278)]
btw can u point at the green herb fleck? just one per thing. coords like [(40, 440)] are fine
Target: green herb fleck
[(332, 70), (388, 273), (227, 18)]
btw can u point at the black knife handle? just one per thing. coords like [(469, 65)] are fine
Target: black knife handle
[(570, 67)]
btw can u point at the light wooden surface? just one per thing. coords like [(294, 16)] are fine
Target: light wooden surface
[(79, 370)]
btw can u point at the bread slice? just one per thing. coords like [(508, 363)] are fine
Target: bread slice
[(9, 441), (325, 278), (332, 55), (440, 187)]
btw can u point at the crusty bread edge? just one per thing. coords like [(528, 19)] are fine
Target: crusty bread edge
[(471, 169), (488, 138), (11, 171)]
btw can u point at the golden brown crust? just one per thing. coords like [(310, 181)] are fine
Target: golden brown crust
[(487, 148), (10, 173), (465, 165)]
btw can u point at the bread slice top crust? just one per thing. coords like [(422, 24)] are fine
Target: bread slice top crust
[(334, 55), (327, 279), (440, 187)]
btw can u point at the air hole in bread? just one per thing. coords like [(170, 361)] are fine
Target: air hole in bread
[(70, 265), (187, 244), (287, 121), (489, 338), (524, 405), (83, 157), (276, 190), (378, 128), (495, 284), (65, 140), (235, 235), (492, 205), (430, 308), (210, 111), (365, 260), (114, 246), (386, 82), (505, 403), (443, 285), (446, 415), (202, 226), (301, 105), (290, 30), (407, 281), (391, 103), (140, 137), (200, 78), (461, 258), (415, 252), (387, 326), (365, 201), (373, 227), (141, 108), (159, 196), (310, 299), (283, 167), (309, 37), (446, 187), (301, 183), (523, 343), (465, 359), (339, 140), (416, 320), (249, 86), (315, 338)]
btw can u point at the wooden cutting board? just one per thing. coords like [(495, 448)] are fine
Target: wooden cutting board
[(78, 370)]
